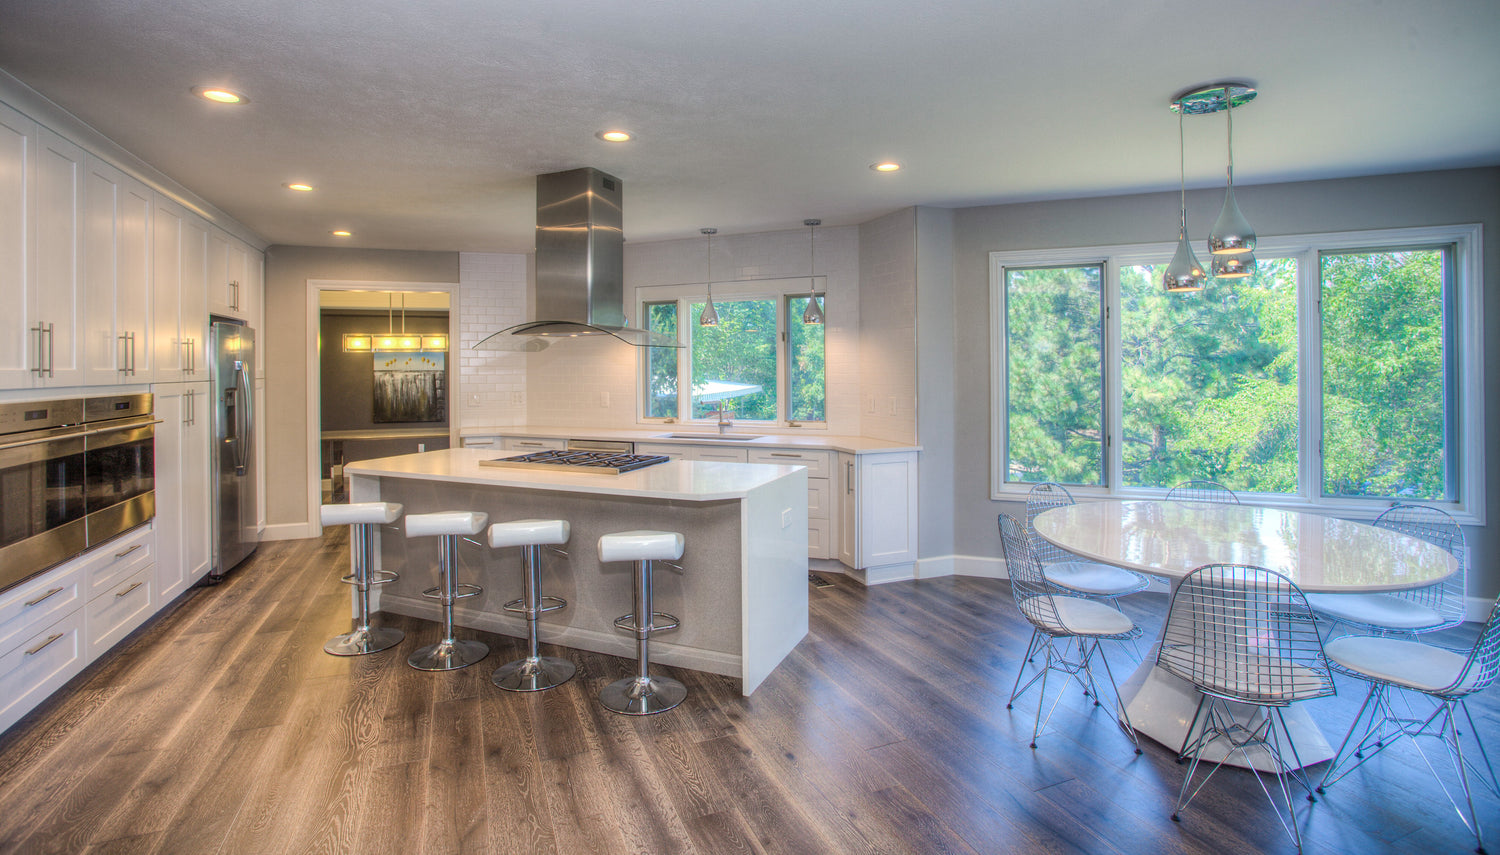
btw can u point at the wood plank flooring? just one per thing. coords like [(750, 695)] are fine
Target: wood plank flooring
[(222, 727)]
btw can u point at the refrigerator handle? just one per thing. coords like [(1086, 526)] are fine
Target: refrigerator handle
[(244, 395)]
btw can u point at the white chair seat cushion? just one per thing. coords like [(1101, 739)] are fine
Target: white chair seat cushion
[(1089, 578), (1079, 616), (1375, 610), (360, 512), (1257, 679), (641, 546), (446, 522), (1404, 663), (529, 533)]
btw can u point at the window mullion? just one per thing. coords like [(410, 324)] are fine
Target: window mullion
[(1114, 469), (1310, 375)]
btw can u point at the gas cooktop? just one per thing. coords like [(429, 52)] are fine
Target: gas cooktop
[(604, 462)]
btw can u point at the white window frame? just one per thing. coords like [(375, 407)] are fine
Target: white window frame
[(781, 290), (1468, 506)]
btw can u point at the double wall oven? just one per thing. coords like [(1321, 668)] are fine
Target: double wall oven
[(73, 473)]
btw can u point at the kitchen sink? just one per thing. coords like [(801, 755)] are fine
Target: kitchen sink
[(710, 437)]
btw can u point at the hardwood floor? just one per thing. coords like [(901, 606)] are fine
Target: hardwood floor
[(223, 727)]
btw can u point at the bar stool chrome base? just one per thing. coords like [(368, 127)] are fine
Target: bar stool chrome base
[(533, 674), (642, 696), (364, 640), (448, 655)]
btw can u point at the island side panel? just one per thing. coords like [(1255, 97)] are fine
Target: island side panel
[(774, 581), (705, 595)]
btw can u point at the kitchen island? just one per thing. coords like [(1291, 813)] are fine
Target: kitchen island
[(742, 593)]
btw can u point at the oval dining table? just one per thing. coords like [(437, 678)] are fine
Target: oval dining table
[(1320, 554)]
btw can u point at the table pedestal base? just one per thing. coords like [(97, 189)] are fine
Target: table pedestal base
[(1161, 706)]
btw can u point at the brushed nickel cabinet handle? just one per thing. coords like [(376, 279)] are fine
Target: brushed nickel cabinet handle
[(128, 551), (128, 590), (785, 454), (43, 646), (47, 596)]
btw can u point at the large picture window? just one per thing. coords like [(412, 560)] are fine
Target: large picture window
[(760, 363), (1345, 372)]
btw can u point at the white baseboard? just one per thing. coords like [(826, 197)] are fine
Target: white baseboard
[(291, 531)]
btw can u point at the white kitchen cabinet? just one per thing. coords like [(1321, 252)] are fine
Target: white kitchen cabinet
[(182, 486), (715, 452), (39, 602), (119, 581), (118, 559), (819, 492), (40, 664), (41, 255), (878, 517), (235, 271), (179, 293), (260, 446), (18, 141), (117, 262), (671, 452)]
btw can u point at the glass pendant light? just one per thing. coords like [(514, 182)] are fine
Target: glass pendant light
[(1231, 233), (1184, 274), (710, 315), (814, 312)]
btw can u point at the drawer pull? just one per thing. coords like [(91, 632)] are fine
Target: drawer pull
[(43, 646), (128, 590), (471, 443), (47, 596), (784, 454), (128, 551), (529, 444)]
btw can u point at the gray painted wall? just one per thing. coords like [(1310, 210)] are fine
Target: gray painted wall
[(936, 381), (1391, 201), (288, 268)]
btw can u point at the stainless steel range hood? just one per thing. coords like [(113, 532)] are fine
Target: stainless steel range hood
[(580, 263)]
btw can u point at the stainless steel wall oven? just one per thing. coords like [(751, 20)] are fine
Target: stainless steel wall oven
[(73, 473)]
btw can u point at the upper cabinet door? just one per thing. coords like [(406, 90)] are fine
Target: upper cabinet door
[(57, 274), (220, 275), (18, 350), (117, 265), (169, 350)]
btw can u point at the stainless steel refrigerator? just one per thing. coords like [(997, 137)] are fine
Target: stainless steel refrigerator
[(236, 533)]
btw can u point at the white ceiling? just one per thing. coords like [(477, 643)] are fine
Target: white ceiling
[(422, 123)]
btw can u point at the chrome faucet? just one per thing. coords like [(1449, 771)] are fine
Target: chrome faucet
[(723, 415)]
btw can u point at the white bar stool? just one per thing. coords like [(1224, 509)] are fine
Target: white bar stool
[(535, 672), (448, 654), (642, 694), (362, 518)]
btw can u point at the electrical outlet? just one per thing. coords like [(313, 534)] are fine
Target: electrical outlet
[(518, 397), (474, 399), (870, 405), (786, 518), (603, 399), (893, 405)]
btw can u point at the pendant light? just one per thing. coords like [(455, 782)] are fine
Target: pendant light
[(1232, 266), (710, 315), (1232, 234), (1184, 274), (391, 341), (814, 312)]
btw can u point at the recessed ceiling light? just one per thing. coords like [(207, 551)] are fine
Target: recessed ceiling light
[(220, 95), (886, 166), (341, 233), (299, 187), (615, 136)]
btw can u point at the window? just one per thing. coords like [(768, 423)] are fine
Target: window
[(1344, 373), (759, 364)]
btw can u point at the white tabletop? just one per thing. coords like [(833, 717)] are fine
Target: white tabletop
[(687, 480), (1320, 554)]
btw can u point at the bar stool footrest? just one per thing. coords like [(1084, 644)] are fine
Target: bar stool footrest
[(627, 623), (382, 577), (549, 604)]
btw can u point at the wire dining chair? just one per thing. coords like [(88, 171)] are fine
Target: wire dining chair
[(1066, 570), (1446, 676), (1244, 634), (1198, 490), (1066, 629), (1435, 607)]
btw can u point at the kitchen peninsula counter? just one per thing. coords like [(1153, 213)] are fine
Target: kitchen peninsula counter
[(741, 596)]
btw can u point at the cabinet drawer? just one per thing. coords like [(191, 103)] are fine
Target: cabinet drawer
[(532, 443), (817, 539), (815, 461), (481, 442), (36, 603), (675, 452), (38, 665), (817, 498), (105, 565), (731, 455), (113, 614)]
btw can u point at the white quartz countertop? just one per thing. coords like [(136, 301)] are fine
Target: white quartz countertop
[(811, 441), (693, 481)]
